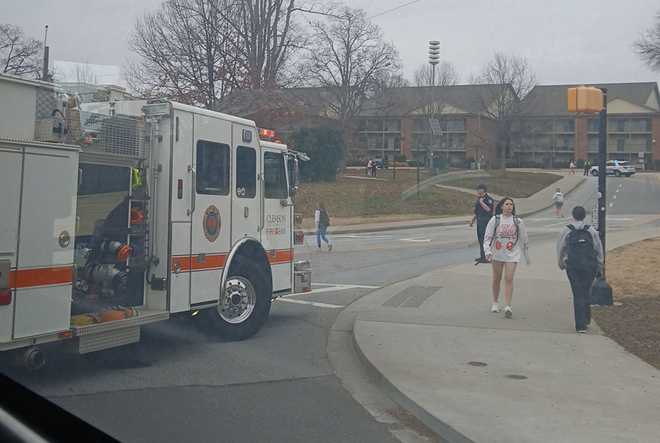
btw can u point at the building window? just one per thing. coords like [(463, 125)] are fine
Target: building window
[(565, 126), (594, 125), (374, 141), (392, 125), (392, 142), (620, 143), (374, 125), (456, 125), (616, 124), (456, 141), (564, 143), (541, 126), (639, 125), (421, 141), (638, 143), (421, 125)]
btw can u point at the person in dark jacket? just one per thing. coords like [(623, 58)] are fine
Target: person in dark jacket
[(581, 273), (484, 209), (322, 221)]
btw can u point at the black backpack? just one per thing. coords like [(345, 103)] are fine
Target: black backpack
[(581, 253)]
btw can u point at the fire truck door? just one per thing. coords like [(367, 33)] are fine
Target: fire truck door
[(246, 198), (211, 215), (276, 234), (10, 180)]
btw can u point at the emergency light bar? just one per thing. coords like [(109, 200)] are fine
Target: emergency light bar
[(266, 134)]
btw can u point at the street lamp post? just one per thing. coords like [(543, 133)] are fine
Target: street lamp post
[(434, 59)]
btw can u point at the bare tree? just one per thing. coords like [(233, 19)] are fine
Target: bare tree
[(510, 79), (648, 45), (19, 55), (197, 51), (347, 55), (445, 75), (186, 52)]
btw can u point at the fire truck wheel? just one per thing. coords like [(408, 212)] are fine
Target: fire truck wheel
[(245, 306)]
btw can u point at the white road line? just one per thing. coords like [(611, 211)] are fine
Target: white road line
[(333, 288), (311, 303), (363, 237), (416, 240), (348, 286)]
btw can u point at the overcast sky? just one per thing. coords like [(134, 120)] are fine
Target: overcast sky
[(565, 41)]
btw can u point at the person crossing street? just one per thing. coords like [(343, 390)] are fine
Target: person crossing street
[(484, 209)]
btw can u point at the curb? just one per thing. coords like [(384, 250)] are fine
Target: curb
[(431, 224), (442, 429), (393, 228)]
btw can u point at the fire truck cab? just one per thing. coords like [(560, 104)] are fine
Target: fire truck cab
[(120, 219)]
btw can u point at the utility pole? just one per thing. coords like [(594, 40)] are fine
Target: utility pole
[(591, 100), (45, 75), (434, 59), (602, 171)]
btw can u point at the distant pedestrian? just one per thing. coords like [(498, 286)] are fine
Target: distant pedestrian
[(505, 243), (580, 253), (484, 208), (374, 168), (369, 168), (571, 167), (558, 202), (587, 166), (322, 221)]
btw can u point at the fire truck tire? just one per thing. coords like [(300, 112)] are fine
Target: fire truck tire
[(245, 306)]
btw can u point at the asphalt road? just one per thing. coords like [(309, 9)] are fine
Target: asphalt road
[(179, 384)]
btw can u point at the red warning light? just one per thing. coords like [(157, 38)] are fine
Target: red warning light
[(266, 134)]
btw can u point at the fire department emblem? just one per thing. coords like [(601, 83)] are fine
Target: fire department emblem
[(211, 223)]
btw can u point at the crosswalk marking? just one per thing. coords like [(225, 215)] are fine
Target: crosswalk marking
[(311, 303)]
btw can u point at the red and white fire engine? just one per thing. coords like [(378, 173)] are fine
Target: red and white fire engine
[(134, 213)]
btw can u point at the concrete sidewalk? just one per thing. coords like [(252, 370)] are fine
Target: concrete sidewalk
[(526, 206), (475, 376)]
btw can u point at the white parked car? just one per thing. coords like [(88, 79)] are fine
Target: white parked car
[(616, 167)]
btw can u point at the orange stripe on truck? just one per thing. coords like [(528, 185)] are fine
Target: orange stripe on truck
[(279, 256), (199, 262), (27, 278), (205, 262)]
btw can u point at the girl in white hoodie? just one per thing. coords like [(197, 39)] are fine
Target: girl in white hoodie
[(505, 243)]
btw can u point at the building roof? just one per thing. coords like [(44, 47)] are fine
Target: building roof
[(472, 99), (306, 101), (552, 99)]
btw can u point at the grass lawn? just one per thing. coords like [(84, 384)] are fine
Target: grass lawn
[(352, 197), (632, 270), (510, 183)]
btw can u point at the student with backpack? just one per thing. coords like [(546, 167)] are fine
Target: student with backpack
[(580, 253), (322, 221), (505, 242), (558, 202)]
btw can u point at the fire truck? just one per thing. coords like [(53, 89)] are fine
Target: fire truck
[(124, 213)]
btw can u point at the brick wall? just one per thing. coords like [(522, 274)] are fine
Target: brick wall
[(655, 148), (581, 138)]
